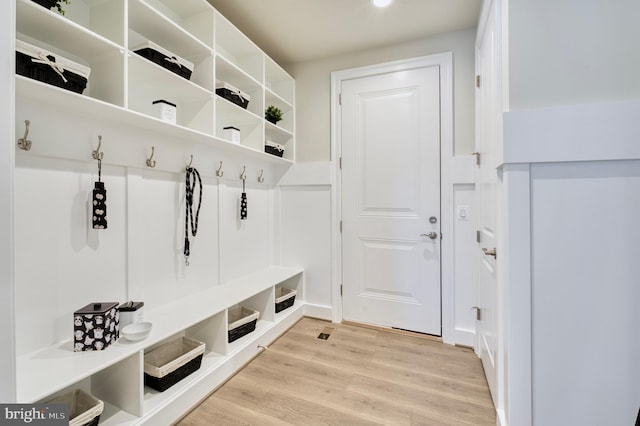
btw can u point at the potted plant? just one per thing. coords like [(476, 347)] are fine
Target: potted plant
[(53, 3), (273, 114)]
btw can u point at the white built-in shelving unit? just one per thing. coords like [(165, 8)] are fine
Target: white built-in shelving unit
[(118, 100), (103, 34)]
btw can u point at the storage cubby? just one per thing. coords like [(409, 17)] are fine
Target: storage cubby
[(84, 22), (249, 124), (149, 82), (118, 104), (195, 16), (293, 283), (278, 82), (236, 48)]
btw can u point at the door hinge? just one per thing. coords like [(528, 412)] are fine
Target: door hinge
[(340, 289), (477, 154), (341, 227), (340, 163), (478, 236), (340, 98), (478, 313), (478, 80)]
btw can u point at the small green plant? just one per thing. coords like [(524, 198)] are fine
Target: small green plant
[(59, 6), (273, 114)]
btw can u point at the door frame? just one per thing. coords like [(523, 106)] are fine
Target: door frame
[(445, 62)]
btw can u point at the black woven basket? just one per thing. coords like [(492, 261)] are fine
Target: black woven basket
[(286, 303), (93, 422), (232, 97), (46, 3), (273, 150), (242, 330), (43, 72), (162, 60), (163, 383)]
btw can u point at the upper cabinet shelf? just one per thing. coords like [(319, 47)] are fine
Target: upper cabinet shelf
[(104, 35), (236, 48), (147, 23), (84, 23)]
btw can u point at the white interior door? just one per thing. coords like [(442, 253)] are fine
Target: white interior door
[(486, 187), (391, 199)]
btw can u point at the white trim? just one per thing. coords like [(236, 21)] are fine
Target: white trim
[(587, 132), (7, 166), (445, 62), (514, 295), (318, 311)]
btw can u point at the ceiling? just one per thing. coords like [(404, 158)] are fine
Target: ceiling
[(292, 31)]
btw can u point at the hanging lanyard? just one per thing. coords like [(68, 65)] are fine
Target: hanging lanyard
[(192, 177)]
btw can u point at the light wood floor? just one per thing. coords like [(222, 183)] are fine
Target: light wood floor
[(359, 376)]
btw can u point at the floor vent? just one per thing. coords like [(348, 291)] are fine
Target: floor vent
[(326, 332)]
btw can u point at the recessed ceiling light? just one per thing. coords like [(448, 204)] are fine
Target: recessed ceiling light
[(381, 3)]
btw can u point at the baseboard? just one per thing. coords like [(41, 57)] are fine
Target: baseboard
[(318, 311), (464, 337), (500, 418)]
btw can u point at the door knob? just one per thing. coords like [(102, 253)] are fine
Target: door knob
[(490, 252), (432, 235)]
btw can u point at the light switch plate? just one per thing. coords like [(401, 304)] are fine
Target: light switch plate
[(462, 213)]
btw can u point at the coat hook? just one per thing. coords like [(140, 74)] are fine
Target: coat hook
[(97, 154), (190, 162), (243, 176), (150, 161), (24, 143), (219, 171), (260, 178)]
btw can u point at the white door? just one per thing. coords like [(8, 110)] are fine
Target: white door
[(486, 186), (391, 199)]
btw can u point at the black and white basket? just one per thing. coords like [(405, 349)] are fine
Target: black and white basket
[(171, 362), (232, 94), (84, 409), (40, 64), (165, 59), (241, 321), (285, 298), (273, 148)]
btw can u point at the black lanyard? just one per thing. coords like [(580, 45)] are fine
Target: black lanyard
[(192, 177)]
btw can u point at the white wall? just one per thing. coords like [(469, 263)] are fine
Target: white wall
[(7, 114), (573, 51), (313, 89), (304, 222), (585, 292)]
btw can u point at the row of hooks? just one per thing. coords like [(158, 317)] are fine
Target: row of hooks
[(97, 154)]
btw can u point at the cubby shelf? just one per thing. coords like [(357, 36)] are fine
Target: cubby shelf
[(51, 369)]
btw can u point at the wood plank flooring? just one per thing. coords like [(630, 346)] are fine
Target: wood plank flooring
[(359, 376)]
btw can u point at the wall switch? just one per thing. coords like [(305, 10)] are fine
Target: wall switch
[(462, 213)]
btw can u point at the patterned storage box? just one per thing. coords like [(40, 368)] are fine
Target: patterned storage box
[(96, 326)]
